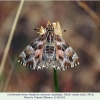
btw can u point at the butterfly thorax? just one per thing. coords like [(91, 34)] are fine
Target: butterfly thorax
[(50, 36)]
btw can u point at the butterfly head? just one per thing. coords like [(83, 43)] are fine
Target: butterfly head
[(50, 27), (54, 27)]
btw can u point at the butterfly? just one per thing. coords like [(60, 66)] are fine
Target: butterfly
[(49, 49)]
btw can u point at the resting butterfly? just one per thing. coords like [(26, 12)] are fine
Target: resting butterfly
[(49, 50)]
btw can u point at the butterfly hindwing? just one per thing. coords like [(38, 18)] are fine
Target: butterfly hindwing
[(65, 55)]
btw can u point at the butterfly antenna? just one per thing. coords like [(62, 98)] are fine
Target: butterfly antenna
[(64, 30), (36, 28)]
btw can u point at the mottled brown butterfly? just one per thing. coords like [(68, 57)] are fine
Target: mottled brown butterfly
[(49, 50)]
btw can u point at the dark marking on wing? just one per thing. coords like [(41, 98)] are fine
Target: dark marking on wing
[(30, 64), (27, 57), (40, 46), (37, 56), (59, 40), (64, 46), (60, 57), (59, 47), (67, 64), (70, 58), (20, 58), (33, 45), (42, 37)]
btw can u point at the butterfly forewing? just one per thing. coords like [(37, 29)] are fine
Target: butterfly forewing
[(31, 56)]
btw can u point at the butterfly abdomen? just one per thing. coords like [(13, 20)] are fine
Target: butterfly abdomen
[(49, 52), (50, 49)]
